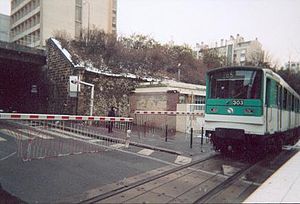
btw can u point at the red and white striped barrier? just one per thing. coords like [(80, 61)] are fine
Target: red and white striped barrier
[(20, 116), (168, 113)]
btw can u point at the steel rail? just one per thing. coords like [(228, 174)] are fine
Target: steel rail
[(143, 181), (223, 185)]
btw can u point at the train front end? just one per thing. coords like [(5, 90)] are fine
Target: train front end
[(234, 108)]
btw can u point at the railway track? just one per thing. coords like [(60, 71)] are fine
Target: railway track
[(198, 182), (180, 184), (137, 184), (193, 183)]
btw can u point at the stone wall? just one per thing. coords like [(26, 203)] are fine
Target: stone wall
[(109, 90), (151, 101), (172, 100), (58, 71), (156, 101)]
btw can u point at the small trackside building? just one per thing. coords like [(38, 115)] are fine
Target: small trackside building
[(167, 95)]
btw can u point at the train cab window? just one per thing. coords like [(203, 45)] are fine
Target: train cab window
[(231, 83)]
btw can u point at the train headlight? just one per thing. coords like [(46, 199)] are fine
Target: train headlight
[(249, 111), (230, 110), (213, 110)]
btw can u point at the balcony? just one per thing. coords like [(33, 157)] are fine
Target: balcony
[(26, 17)]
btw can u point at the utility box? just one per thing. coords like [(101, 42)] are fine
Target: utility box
[(74, 86)]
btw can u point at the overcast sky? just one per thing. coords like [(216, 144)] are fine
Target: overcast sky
[(276, 23)]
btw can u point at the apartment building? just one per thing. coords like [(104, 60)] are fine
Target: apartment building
[(292, 65), (4, 27), (34, 21), (235, 51)]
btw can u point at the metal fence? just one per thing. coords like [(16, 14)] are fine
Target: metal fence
[(167, 124), (40, 136)]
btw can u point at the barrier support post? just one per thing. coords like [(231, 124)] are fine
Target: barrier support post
[(145, 129), (166, 139), (191, 141), (127, 141), (202, 135)]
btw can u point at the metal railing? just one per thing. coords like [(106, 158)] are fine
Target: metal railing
[(168, 123), (40, 136)]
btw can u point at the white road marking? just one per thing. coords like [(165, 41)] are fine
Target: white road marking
[(117, 146), (2, 139), (146, 152), (96, 140), (2, 159), (229, 170), (71, 133), (30, 132), (48, 131), (183, 160), (14, 134)]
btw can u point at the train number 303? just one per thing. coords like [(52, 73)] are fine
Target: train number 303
[(237, 102)]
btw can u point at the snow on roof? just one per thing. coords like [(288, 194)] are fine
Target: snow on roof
[(171, 85), (125, 75), (64, 51), (89, 66)]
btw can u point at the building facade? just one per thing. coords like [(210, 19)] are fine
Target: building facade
[(167, 95), (235, 51), (4, 27), (34, 21), (292, 65)]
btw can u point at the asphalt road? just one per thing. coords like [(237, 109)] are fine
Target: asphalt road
[(52, 179)]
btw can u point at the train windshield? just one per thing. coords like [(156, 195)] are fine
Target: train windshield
[(233, 83)]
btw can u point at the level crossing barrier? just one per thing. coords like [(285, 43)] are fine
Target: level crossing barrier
[(167, 124), (40, 136)]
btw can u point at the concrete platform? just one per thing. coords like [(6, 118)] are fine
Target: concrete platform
[(282, 187)]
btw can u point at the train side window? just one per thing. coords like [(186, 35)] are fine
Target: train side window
[(289, 104), (293, 103), (284, 101), (268, 91), (279, 99)]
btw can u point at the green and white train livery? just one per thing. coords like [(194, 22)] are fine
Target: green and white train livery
[(250, 109)]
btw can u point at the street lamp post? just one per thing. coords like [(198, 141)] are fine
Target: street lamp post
[(92, 93), (178, 73)]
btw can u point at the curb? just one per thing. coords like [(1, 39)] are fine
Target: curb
[(161, 149)]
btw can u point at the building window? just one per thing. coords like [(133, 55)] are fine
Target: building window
[(182, 99), (78, 18), (78, 14), (199, 99), (79, 2)]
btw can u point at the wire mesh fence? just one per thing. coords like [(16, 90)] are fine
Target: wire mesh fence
[(39, 138)]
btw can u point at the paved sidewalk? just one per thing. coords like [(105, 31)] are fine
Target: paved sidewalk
[(177, 142)]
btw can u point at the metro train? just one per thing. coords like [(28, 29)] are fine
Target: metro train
[(250, 109)]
